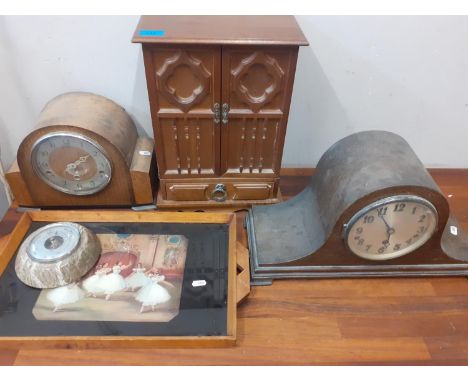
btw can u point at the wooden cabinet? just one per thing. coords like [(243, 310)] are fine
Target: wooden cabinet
[(220, 89)]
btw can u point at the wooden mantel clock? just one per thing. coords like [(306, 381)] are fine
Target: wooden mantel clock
[(219, 89), (371, 209), (83, 152)]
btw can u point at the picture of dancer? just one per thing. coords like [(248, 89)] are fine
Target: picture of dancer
[(137, 278)]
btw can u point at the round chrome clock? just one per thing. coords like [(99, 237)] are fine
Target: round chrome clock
[(71, 163), (53, 242), (391, 227), (56, 255)]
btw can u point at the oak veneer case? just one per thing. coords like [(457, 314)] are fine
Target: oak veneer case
[(106, 128), (219, 89)]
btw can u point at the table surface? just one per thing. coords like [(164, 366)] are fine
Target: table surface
[(357, 321)]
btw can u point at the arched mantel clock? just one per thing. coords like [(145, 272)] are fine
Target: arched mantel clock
[(84, 151), (370, 209)]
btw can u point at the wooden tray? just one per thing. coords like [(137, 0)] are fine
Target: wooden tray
[(31, 217)]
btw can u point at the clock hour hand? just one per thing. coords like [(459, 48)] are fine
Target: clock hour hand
[(71, 167)]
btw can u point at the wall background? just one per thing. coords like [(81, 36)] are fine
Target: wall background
[(406, 74)]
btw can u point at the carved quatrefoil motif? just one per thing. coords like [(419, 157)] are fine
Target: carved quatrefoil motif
[(182, 58), (271, 66)]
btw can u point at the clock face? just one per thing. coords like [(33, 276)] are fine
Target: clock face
[(71, 163), (53, 242), (391, 227)]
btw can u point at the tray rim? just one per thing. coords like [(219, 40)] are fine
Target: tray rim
[(18, 233)]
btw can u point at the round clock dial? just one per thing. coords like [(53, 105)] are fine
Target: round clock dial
[(71, 163), (53, 242), (391, 227)]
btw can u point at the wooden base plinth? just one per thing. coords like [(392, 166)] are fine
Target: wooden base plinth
[(209, 205)]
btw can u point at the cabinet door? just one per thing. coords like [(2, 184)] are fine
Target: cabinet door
[(257, 86), (184, 86)]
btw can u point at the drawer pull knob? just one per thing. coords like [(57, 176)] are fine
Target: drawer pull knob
[(219, 194)]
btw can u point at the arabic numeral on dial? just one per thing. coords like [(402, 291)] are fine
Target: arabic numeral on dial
[(368, 219), (397, 247), (386, 243), (359, 230), (399, 207), (414, 210), (360, 242), (421, 229), (368, 247), (381, 250), (422, 218)]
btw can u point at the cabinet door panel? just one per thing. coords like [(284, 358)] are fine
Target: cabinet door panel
[(184, 85), (250, 145), (257, 86), (189, 146)]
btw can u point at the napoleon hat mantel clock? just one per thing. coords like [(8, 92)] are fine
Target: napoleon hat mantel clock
[(219, 89), (371, 209), (84, 152)]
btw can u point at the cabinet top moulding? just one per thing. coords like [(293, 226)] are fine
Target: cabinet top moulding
[(220, 30)]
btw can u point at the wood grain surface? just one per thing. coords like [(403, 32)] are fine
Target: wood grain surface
[(219, 89), (414, 321), (217, 30)]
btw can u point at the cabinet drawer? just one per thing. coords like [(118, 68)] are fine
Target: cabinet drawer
[(186, 192), (252, 191), (219, 191)]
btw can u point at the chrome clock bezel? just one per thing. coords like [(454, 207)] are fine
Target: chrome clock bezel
[(73, 227), (381, 202), (62, 188)]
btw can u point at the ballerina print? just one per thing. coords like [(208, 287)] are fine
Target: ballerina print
[(114, 282), (137, 279), (92, 284), (65, 295), (153, 293)]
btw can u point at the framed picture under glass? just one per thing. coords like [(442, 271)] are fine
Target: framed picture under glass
[(162, 279)]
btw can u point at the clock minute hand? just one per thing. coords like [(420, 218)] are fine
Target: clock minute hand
[(390, 230), (72, 166)]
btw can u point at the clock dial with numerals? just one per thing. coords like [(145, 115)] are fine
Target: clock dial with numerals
[(391, 227), (71, 163)]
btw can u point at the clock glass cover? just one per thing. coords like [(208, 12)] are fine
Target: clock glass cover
[(53, 242), (71, 163), (391, 227)]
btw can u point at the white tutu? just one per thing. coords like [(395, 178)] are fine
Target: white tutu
[(153, 293), (137, 279), (93, 284), (113, 282), (67, 294)]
